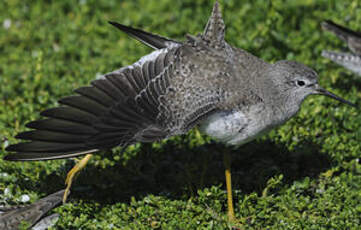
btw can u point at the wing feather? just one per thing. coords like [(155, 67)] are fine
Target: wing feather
[(101, 116)]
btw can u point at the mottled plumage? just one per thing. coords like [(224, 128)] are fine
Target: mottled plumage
[(233, 95), (351, 61), (32, 213)]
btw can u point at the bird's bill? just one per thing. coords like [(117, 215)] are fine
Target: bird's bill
[(322, 91)]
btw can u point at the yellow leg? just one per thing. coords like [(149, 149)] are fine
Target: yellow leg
[(227, 164), (69, 178)]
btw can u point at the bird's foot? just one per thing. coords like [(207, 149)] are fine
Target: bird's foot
[(70, 176)]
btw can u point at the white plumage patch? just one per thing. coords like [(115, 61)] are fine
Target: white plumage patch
[(224, 126), (237, 127), (150, 57)]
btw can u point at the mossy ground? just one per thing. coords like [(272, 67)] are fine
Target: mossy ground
[(304, 175)]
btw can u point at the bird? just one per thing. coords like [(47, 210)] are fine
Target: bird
[(13, 217), (230, 94), (351, 61)]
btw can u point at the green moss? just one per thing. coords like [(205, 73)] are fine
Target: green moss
[(304, 175)]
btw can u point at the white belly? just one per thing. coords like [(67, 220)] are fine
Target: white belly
[(235, 128)]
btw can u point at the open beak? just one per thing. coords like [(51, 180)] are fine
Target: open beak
[(321, 91)]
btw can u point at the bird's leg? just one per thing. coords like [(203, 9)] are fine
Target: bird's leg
[(227, 164), (69, 178)]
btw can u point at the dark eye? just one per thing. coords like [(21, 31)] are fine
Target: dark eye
[(300, 83)]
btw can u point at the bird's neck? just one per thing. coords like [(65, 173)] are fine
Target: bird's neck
[(285, 110), (281, 105)]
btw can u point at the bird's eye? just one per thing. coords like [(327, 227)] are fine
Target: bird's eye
[(300, 83)]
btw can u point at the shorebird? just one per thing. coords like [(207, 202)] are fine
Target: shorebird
[(230, 94), (13, 217), (353, 40)]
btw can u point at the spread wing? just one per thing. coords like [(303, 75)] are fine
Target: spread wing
[(163, 94), (137, 103), (30, 213), (100, 116)]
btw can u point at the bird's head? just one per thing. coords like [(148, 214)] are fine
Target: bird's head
[(295, 81)]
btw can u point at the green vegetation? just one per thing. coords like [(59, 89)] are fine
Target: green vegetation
[(304, 175)]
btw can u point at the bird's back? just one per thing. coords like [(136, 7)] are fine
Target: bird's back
[(163, 94)]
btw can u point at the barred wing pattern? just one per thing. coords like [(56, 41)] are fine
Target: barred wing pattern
[(133, 104)]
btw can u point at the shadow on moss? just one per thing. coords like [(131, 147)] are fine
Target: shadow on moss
[(178, 172)]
